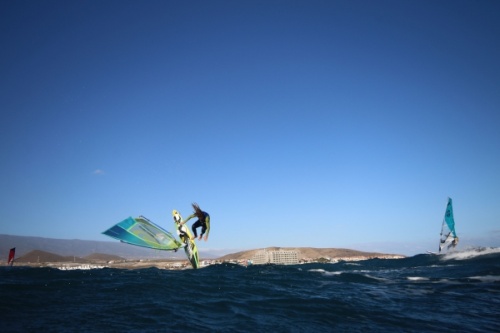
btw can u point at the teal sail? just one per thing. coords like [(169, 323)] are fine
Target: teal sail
[(449, 237), (142, 232)]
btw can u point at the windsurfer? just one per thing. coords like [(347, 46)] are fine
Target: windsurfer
[(203, 222), (448, 235)]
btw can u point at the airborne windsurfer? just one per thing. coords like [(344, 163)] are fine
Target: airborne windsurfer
[(203, 221)]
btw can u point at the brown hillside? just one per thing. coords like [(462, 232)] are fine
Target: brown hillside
[(310, 253), (103, 257), (42, 256)]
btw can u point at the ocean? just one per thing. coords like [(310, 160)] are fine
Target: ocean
[(458, 292)]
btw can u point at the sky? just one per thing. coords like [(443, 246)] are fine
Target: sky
[(329, 124)]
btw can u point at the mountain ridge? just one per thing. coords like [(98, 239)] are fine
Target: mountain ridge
[(75, 248), (313, 253)]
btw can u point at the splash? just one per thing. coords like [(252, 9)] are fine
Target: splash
[(470, 253)]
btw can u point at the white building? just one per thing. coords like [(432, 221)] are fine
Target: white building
[(281, 257)]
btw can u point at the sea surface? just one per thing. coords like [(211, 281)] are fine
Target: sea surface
[(458, 292)]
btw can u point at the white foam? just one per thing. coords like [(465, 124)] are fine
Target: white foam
[(486, 278), (82, 267), (470, 253), (322, 271), (417, 278)]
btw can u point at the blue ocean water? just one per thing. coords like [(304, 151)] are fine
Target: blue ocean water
[(424, 293)]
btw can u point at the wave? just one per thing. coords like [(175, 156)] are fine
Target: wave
[(470, 253), (486, 278), (417, 278), (324, 272)]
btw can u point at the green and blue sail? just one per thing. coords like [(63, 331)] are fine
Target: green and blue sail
[(142, 232), (448, 237)]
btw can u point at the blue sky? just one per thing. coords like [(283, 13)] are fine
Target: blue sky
[(293, 123)]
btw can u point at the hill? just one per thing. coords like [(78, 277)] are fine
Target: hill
[(38, 256), (103, 257), (313, 253), (72, 250)]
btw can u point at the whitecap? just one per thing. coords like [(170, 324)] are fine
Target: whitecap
[(470, 253), (486, 278), (417, 278), (322, 271)]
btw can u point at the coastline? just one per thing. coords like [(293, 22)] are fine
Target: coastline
[(302, 255), (175, 264)]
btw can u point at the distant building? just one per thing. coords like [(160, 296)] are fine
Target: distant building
[(260, 258), (280, 257)]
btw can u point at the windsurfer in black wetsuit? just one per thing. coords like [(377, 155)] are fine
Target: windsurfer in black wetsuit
[(203, 221)]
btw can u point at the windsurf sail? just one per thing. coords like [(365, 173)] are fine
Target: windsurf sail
[(142, 232), (449, 237), (12, 254)]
